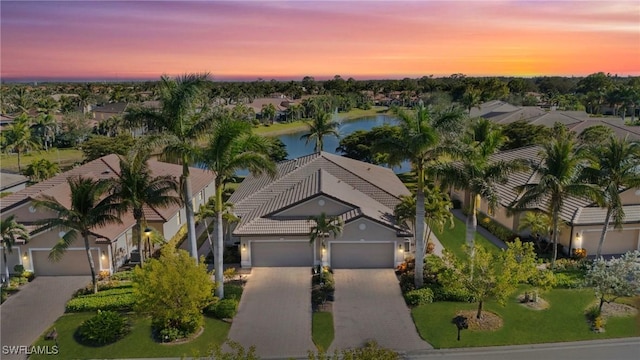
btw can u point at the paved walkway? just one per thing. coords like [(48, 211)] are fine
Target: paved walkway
[(275, 313), (29, 312), (480, 230), (369, 306)]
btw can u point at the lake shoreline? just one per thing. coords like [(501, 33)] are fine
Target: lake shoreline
[(300, 125)]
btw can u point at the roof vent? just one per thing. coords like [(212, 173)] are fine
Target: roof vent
[(106, 172)]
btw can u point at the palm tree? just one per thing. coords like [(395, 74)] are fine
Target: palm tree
[(11, 230), (325, 226), (614, 165), (437, 211), (89, 209), (321, 126), (136, 187), (475, 172), (471, 98), (19, 137), (208, 210), (560, 173), (46, 126), (232, 147), (181, 121), (538, 223), (41, 169), (421, 133)]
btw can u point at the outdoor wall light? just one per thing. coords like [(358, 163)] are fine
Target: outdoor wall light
[(400, 248), (102, 256), (244, 247), (24, 256)]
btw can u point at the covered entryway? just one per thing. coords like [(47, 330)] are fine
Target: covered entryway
[(362, 255), (281, 253), (73, 262)]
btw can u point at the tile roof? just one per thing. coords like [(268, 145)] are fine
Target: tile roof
[(8, 180), (372, 191), (576, 210), (103, 168)]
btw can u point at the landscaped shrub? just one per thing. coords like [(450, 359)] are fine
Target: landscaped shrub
[(407, 282), (18, 269), (122, 275), (327, 280), (103, 285), (224, 309), (442, 293), (167, 330), (29, 275), (233, 291), (500, 231), (569, 280), (105, 328), (419, 297), (117, 299)]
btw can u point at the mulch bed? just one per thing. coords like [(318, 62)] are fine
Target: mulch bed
[(541, 304), (488, 321)]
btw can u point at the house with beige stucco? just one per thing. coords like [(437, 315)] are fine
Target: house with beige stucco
[(276, 214), (111, 245), (582, 219)]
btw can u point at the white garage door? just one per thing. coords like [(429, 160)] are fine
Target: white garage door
[(362, 255), (617, 242), (73, 262), (281, 253)]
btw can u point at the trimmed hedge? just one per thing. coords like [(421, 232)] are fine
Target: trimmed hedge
[(500, 231), (419, 297), (224, 309), (232, 291), (441, 293), (117, 299), (105, 328), (122, 275)]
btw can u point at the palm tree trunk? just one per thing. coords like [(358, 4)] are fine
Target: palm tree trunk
[(6, 265), (188, 205), (94, 280), (137, 231), (206, 227), (419, 234), (603, 236), (19, 170), (555, 238), (217, 256), (472, 221)]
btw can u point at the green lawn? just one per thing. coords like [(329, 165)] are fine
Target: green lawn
[(138, 343), (64, 158), (454, 239), (322, 330), (564, 320)]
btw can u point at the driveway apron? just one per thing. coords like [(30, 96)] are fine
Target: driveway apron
[(275, 313), (29, 312), (369, 306)]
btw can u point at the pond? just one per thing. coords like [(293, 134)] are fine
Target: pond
[(297, 148)]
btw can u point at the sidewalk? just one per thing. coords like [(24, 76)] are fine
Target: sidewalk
[(480, 230)]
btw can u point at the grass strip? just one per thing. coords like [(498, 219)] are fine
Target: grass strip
[(322, 330)]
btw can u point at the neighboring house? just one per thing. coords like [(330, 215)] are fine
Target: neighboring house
[(114, 243), (109, 110), (577, 121), (10, 183), (582, 218), (274, 224)]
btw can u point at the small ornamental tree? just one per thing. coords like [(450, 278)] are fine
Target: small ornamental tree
[(615, 278), (491, 275), (173, 290)]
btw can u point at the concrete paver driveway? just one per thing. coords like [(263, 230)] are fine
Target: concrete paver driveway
[(275, 313), (29, 312), (369, 306)]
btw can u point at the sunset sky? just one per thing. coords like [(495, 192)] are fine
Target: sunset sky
[(119, 40)]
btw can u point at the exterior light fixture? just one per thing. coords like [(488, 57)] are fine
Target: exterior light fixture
[(24, 256), (244, 247), (400, 248), (103, 256)]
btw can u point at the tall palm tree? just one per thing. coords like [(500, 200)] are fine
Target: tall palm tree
[(232, 147), (136, 187), (421, 134), (437, 210), (325, 226), (208, 210), (19, 137), (560, 172), (321, 126), (474, 171), (614, 165), (90, 208), (11, 230), (46, 125), (181, 121)]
